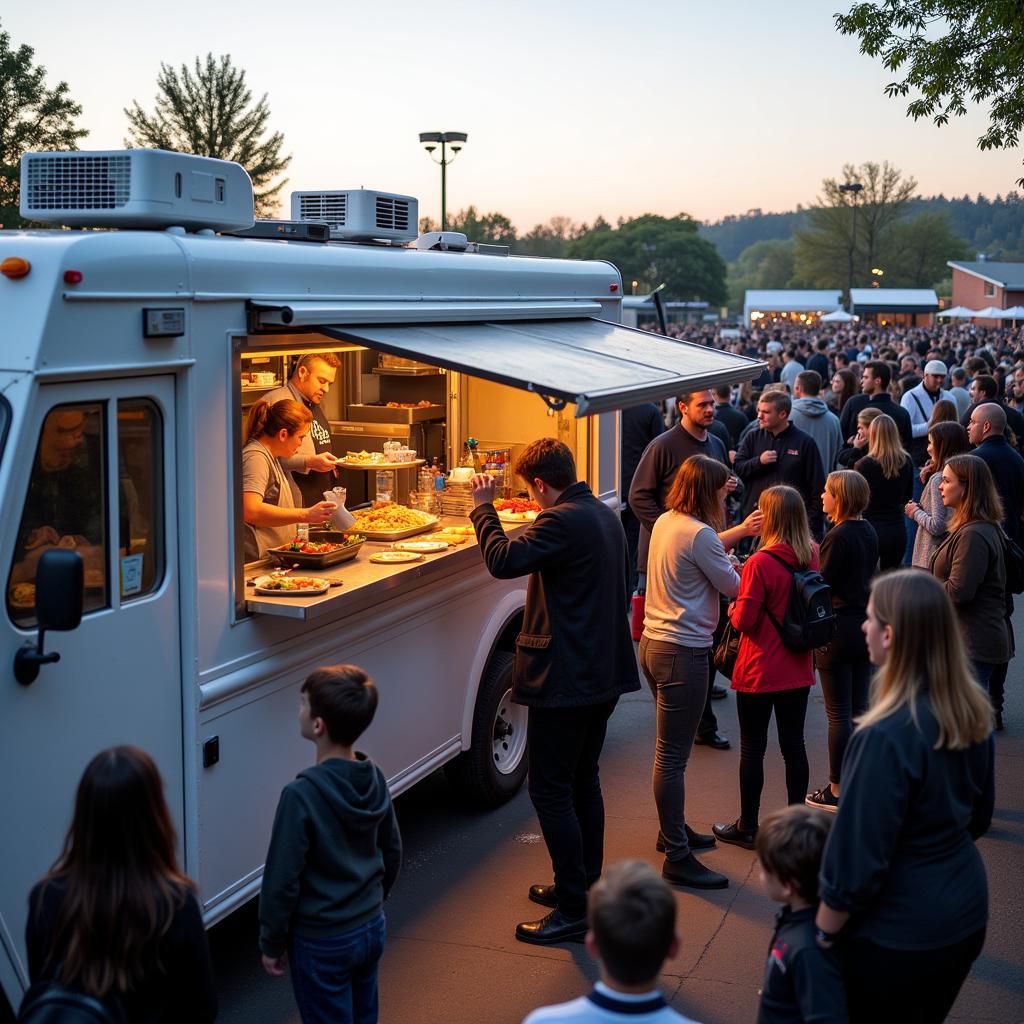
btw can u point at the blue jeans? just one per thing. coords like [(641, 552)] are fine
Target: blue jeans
[(983, 670), (908, 553), (335, 979)]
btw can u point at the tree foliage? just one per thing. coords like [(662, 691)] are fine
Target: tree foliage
[(917, 250), (655, 250), (550, 239), (977, 58), (840, 224), (209, 111), (32, 117), (763, 265), (492, 228)]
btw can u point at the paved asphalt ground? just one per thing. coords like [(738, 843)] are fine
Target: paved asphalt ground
[(451, 955)]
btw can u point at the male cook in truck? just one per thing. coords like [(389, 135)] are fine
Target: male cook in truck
[(574, 658), (312, 466)]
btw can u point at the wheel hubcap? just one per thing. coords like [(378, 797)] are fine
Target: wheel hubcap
[(509, 734)]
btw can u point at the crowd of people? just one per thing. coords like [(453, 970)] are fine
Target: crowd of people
[(850, 512)]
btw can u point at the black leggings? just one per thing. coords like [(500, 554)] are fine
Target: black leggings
[(892, 540), (912, 986), (754, 711), (845, 682)]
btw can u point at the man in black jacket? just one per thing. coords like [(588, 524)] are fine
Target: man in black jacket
[(728, 415), (641, 424), (574, 658), (779, 453), (874, 387)]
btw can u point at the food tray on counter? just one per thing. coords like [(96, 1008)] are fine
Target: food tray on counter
[(320, 560), (345, 464), (264, 586), (399, 534)]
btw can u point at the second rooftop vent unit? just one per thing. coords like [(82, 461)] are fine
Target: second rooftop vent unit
[(360, 215)]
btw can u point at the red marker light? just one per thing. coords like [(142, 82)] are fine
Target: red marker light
[(613, 287), (15, 267), (73, 277)]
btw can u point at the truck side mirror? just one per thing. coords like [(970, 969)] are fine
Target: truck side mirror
[(59, 580)]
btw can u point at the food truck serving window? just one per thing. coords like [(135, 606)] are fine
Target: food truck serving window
[(66, 505)]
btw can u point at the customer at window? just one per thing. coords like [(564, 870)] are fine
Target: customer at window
[(901, 877), (849, 556), (945, 439), (889, 472), (271, 504), (115, 918), (969, 563), (769, 678), (687, 571)]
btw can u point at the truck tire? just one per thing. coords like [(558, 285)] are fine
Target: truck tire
[(494, 768)]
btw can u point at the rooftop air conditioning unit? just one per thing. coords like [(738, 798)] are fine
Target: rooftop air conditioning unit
[(135, 188), (360, 215)]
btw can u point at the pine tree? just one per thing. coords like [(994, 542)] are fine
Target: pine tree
[(32, 117), (209, 111)]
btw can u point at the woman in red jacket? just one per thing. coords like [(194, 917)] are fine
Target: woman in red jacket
[(768, 676)]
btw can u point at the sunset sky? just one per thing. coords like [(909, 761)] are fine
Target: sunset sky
[(572, 108)]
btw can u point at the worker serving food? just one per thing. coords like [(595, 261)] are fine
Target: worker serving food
[(271, 503)]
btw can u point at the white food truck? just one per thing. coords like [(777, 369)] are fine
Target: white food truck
[(128, 355)]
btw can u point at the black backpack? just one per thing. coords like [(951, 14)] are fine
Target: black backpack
[(809, 621), (49, 1002), (1013, 559)]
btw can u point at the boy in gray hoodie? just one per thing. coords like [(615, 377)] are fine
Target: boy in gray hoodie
[(811, 415), (335, 852)]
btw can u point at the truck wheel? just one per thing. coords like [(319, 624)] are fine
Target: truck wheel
[(493, 769)]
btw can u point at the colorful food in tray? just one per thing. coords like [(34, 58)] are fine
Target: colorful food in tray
[(323, 547), (410, 405), (388, 517), (450, 538), (291, 584), (23, 595), (364, 458)]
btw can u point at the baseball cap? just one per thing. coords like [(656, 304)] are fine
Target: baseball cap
[(936, 366)]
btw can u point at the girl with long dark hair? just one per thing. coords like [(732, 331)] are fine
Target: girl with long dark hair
[(115, 918)]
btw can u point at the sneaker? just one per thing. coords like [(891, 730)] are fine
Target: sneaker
[(823, 799)]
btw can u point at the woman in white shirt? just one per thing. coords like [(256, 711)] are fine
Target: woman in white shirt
[(271, 504), (688, 570)]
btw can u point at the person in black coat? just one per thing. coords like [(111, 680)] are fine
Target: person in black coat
[(779, 453), (641, 424), (889, 471), (115, 918), (985, 391), (574, 659), (901, 877), (987, 429), (874, 385), (728, 415)]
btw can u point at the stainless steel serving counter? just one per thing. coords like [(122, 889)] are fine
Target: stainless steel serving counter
[(364, 580)]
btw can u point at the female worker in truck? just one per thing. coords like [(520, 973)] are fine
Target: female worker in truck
[(271, 505)]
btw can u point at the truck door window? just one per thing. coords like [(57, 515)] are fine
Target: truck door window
[(65, 507), (140, 459)]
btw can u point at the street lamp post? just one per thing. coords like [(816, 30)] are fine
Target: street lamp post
[(855, 188), (449, 142)]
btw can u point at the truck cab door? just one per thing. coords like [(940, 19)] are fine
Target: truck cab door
[(94, 473)]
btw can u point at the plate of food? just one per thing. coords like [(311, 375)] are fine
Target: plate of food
[(517, 510), (395, 557), (390, 521), (423, 547), (291, 586), (323, 549), (22, 596)]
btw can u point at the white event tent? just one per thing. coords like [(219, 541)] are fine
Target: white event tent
[(958, 313)]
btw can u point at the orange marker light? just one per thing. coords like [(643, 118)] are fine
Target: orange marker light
[(15, 267)]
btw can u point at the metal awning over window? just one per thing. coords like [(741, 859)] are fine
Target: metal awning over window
[(595, 365)]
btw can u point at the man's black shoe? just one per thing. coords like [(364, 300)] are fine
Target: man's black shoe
[(697, 840), (691, 873), (544, 895), (734, 835), (554, 928), (719, 692), (712, 739)]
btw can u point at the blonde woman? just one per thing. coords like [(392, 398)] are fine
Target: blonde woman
[(687, 571), (945, 439), (969, 563), (857, 446), (889, 472), (769, 678), (901, 877), (849, 555)]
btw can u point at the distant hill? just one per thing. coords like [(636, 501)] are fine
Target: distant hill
[(992, 226)]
